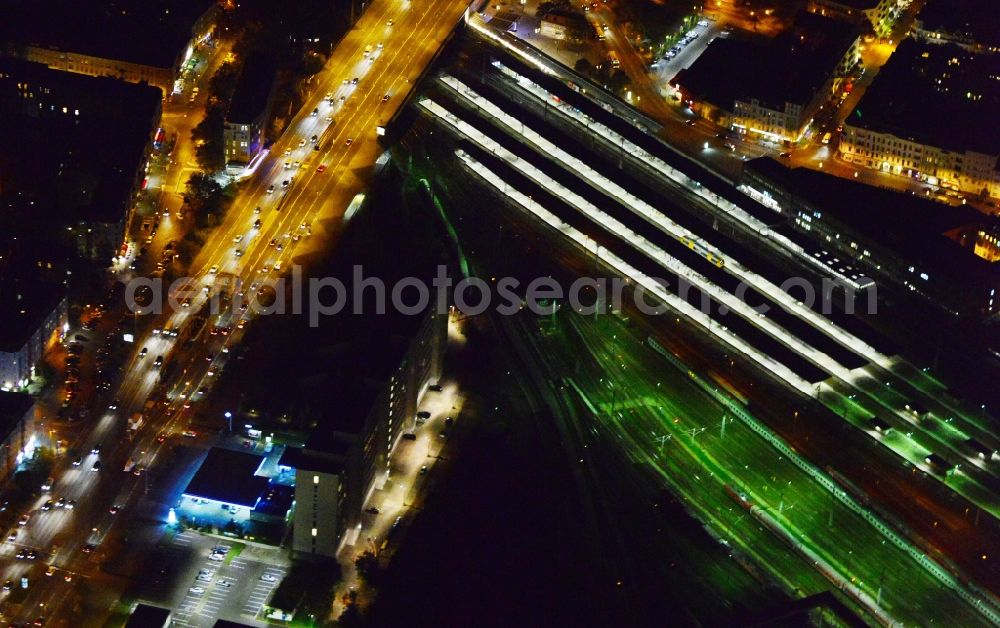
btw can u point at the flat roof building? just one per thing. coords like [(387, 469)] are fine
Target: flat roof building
[(17, 412), (32, 314), (973, 24), (132, 40), (97, 134), (949, 255), (250, 109), (347, 455), (931, 115), (228, 477), (148, 616), (772, 90), (877, 15)]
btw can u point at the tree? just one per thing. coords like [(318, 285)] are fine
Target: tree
[(351, 616), (618, 81), (367, 566), (584, 67)]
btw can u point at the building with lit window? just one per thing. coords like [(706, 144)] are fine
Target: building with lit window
[(33, 314), (877, 15), (246, 120), (931, 115), (139, 41), (347, 456), (972, 24), (948, 255), (772, 91), (232, 492), (97, 134), (17, 412)]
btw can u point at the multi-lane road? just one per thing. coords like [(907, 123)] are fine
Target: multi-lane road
[(386, 52)]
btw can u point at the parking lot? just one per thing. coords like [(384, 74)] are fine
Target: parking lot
[(684, 54), (233, 586)]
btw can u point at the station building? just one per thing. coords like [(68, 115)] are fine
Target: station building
[(948, 255)]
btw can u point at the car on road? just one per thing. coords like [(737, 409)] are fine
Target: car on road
[(143, 352), (409, 436), (213, 270), (217, 557), (78, 461), (114, 509), (8, 585), (268, 578), (197, 590), (372, 510), (23, 521), (256, 210), (435, 387), (349, 141), (88, 548), (205, 577), (321, 168), (354, 81), (51, 570), (256, 224), (159, 359), (47, 506), (96, 449), (113, 405), (96, 466), (423, 415), (12, 536), (270, 189), (224, 583), (385, 98), (238, 252)]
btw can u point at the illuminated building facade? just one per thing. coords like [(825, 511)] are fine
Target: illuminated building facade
[(878, 15), (772, 91), (930, 115), (139, 42)]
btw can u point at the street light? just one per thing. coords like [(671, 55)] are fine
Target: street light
[(229, 418)]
